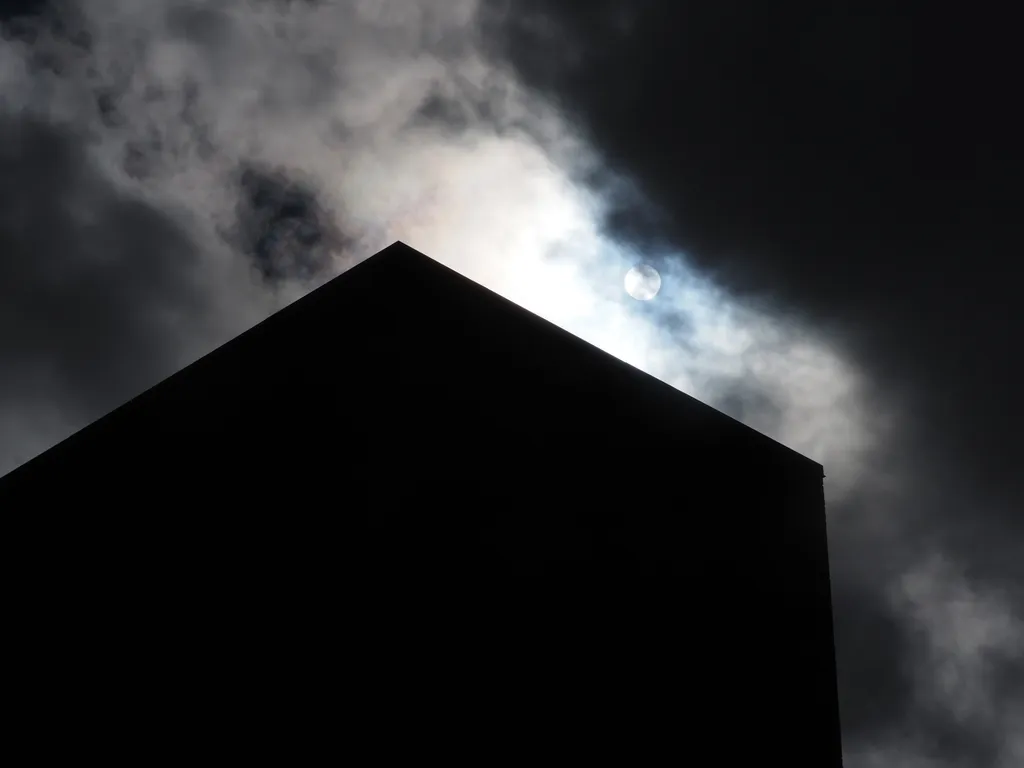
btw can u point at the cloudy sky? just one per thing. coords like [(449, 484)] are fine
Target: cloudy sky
[(825, 187)]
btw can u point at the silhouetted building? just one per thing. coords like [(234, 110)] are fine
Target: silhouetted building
[(406, 515)]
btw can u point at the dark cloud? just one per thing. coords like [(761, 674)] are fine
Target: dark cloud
[(749, 404), (101, 295), (876, 689), (19, 9), (89, 279), (205, 26), (443, 110), (283, 228)]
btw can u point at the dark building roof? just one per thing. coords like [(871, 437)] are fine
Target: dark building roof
[(472, 487)]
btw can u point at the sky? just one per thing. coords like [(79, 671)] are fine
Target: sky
[(825, 188)]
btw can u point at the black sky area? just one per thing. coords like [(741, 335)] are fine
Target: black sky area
[(853, 164)]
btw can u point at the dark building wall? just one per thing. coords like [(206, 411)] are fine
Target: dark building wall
[(457, 526)]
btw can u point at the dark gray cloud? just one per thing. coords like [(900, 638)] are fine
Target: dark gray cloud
[(13, 10), (99, 293), (283, 228), (872, 644)]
